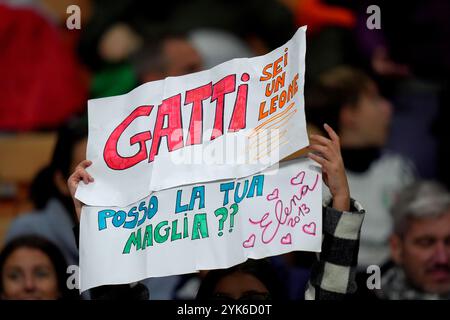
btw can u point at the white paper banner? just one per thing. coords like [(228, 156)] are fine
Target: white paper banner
[(231, 121), (203, 226)]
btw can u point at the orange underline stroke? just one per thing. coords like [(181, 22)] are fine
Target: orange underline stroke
[(269, 147), (281, 144), (260, 137), (251, 146), (270, 144), (281, 120), (284, 125), (273, 118), (285, 117)]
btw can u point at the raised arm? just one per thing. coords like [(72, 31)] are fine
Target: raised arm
[(333, 275), (333, 170), (80, 174)]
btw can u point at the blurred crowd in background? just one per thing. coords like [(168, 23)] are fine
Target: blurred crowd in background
[(385, 91)]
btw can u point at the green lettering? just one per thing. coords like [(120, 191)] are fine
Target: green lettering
[(148, 237), (133, 240), (175, 234), (159, 238), (200, 224), (185, 227)]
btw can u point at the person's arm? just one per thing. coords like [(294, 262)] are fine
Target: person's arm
[(134, 291), (333, 275), (328, 155), (80, 174)]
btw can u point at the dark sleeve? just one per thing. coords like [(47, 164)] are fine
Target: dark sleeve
[(333, 275), (136, 291)]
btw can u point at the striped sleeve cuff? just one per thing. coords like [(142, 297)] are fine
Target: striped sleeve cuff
[(345, 225), (333, 276)]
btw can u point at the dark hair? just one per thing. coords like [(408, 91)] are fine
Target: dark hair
[(325, 97), (260, 269), (43, 187), (52, 252)]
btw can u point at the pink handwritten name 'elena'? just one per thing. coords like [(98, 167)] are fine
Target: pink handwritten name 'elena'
[(283, 214)]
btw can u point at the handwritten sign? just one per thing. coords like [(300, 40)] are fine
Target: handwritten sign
[(203, 226), (231, 121)]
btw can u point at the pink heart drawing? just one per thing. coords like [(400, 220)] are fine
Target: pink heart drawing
[(310, 228), (287, 239), (273, 195), (298, 179), (250, 242)]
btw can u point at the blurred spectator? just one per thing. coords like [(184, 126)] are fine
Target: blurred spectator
[(218, 46), (220, 30), (349, 101), (262, 24), (412, 62), (420, 245), (113, 80), (32, 268), (115, 30), (251, 280), (330, 38), (43, 84), (54, 217), (155, 59), (167, 56)]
